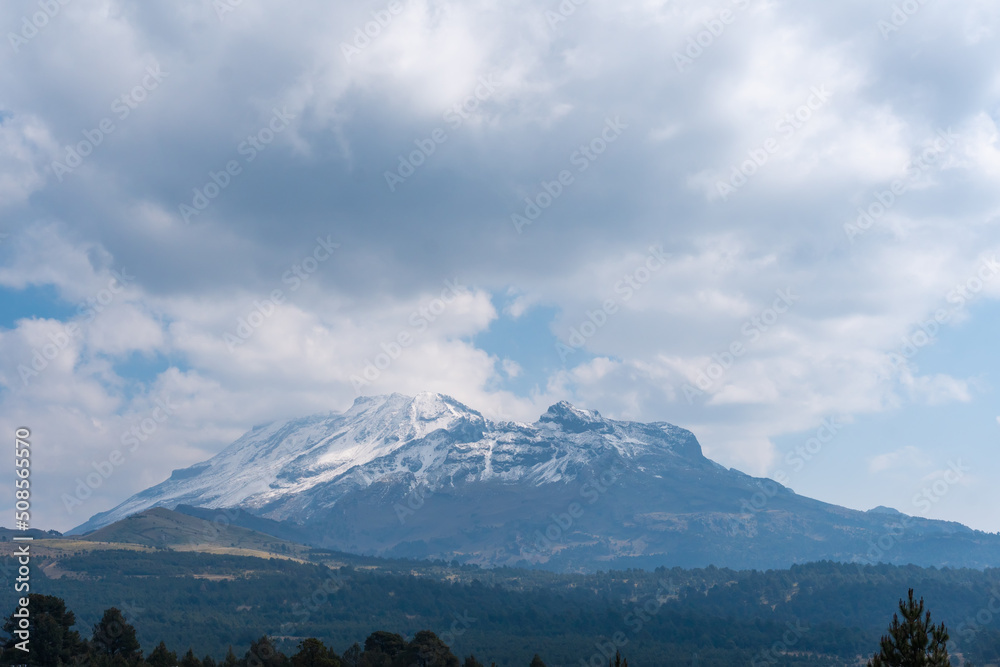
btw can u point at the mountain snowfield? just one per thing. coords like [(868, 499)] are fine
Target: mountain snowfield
[(275, 469), (428, 477)]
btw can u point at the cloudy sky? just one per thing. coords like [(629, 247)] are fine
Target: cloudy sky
[(773, 223)]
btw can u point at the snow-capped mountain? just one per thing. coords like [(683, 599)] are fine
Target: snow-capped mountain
[(427, 476), (279, 469)]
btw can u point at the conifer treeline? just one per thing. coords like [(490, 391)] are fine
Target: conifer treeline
[(113, 643)]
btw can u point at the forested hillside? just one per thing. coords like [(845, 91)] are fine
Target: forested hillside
[(822, 613)]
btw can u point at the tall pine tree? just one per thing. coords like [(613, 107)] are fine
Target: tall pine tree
[(53, 642), (162, 657), (190, 660), (914, 642), (114, 642), (352, 656)]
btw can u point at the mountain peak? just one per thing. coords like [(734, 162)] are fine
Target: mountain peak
[(402, 418), (882, 509), (572, 419), (431, 405), (497, 493), (302, 467), (423, 403)]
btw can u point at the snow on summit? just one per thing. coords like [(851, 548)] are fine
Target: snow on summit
[(280, 469)]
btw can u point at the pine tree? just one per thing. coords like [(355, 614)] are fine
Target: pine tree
[(162, 657), (52, 640), (388, 643), (231, 660), (426, 650), (114, 640), (352, 656), (190, 660), (618, 661), (314, 653), (914, 642), (262, 653), (471, 661), (537, 661)]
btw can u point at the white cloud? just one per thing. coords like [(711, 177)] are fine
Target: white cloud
[(25, 143), (828, 354), (511, 368), (906, 457)]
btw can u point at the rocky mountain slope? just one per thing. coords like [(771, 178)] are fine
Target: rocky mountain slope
[(426, 476)]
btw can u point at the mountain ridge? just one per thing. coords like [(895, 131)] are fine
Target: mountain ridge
[(282, 458), (429, 477)]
